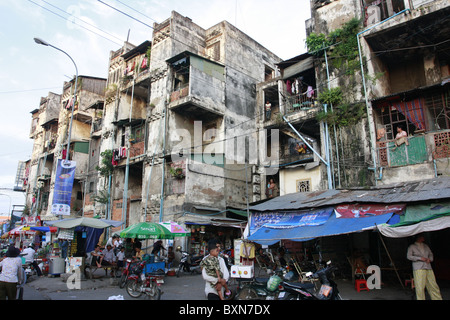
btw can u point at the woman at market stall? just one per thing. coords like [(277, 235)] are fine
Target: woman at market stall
[(11, 274)]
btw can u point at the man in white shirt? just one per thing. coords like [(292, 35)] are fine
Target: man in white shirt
[(28, 254), (210, 291), (421, 256), (108, 255)]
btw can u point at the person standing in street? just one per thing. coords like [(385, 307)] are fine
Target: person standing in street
[(11, 273), (211, 292), (421, 256)]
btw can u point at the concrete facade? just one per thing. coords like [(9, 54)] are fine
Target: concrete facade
[(186, 121)]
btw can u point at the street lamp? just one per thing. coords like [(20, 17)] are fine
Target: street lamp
[(44, 43)]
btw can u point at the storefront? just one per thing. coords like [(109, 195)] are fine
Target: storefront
[(377, 223), (204, 228)]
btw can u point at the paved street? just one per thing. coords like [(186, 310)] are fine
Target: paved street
[(187, 287)]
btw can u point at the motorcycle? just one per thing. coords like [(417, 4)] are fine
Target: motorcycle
[(226, 256), (127, 271), (259, 288), (307, 291), (145, 282), (189, 263)]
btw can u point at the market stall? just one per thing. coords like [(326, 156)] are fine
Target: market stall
[(80, 235), (156, 231)]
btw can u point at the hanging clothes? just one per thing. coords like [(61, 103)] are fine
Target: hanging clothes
[(144, 63), (123, 152), (289, 86), (310, 92), (297, 86), (115, 157)]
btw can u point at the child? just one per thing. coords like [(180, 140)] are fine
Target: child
[(212, 268), (120, 258)]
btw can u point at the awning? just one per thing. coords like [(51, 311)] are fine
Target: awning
[(289, 219), (413, 229), (419, 218), (44, 229), (333, 226), (422, 212), (198, 219)]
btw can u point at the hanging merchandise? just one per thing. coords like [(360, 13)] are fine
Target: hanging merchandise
[(66, 234)]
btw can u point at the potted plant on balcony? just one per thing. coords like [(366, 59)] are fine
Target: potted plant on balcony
[(177, 172)]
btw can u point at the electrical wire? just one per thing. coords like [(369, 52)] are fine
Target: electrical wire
[(74, 22), (89, 24)]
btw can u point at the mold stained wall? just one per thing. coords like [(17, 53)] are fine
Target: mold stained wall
[(244, 61), (325, 19)]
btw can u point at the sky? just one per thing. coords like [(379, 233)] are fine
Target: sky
[(88, 30)]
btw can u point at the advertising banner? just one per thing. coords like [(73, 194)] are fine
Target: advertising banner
[(65, 172), (367, 210), (290, 219)]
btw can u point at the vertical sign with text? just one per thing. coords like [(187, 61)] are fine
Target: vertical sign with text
[(65, 172)]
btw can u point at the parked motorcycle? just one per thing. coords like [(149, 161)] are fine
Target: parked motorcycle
[(259, 288), (226, 255), (130, 268), (143, 282), (189, 263), (307, 291)]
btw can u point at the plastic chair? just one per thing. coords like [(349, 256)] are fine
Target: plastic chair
[(360, 285)]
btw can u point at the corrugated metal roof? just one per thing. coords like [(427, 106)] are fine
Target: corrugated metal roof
[(432, 189)]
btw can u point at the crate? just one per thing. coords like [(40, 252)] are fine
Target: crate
[(245, 272), (153, 267)]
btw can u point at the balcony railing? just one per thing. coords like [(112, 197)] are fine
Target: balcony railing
[(181, 93), (420, 149), (305, 101)]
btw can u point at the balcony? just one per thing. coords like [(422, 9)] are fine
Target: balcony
[(301, 102), (420, 149), (198, 87)]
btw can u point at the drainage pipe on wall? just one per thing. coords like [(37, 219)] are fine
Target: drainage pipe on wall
[(330, 183)]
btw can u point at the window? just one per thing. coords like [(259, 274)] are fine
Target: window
[(181, 74), (439, 110), (269, 73), (303, 185), (391, 118), (138, 133), (379, 10)]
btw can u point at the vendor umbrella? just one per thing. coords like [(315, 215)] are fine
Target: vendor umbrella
[(44, 229), (84, 222), (146, 230), (175, 229), (21, 231)]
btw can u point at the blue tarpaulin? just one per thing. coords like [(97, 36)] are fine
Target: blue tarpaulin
[(333, 226), (289, 219)]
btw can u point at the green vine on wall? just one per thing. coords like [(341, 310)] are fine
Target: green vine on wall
[(342, 45), (341, 114), (106, 167)]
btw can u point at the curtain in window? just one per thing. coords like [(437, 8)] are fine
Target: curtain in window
[(413, 110)]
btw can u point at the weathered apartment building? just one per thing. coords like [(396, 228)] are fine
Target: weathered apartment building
[(50, 131), (178, 125), (379, 65)]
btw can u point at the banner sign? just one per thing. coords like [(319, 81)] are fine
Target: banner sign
[(367, 210), (290, 219), (65, 173)]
